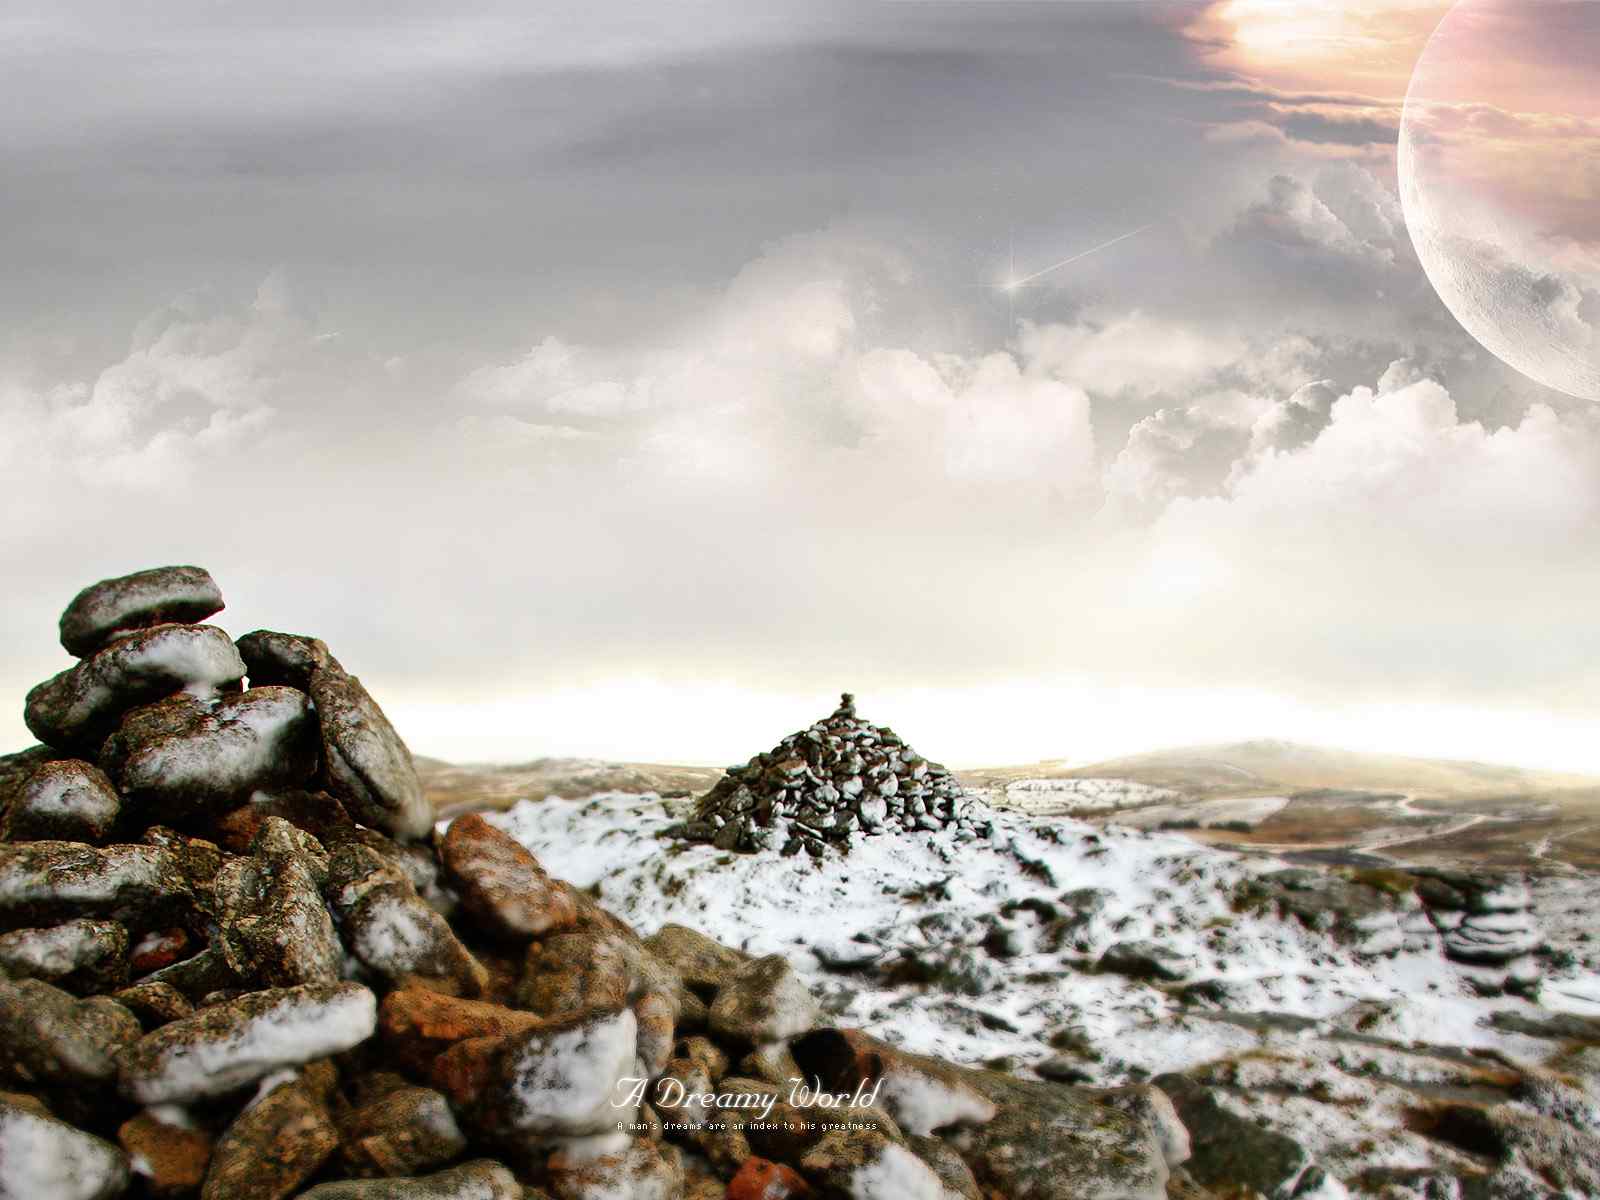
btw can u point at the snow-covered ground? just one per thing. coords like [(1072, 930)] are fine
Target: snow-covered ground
[(1247, 811), (929, 901), (1058, 797)]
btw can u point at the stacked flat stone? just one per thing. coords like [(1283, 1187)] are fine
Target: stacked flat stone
[(238, 963), (841, 779)]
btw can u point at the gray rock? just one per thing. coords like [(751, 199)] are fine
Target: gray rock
[(42, 1158), (232, 1044), (66, 800), (763, 1001), (367, 765), (1232, 1153), (160, 596), (276, 930), (390, 929), (140, 886), (179, 759), (1144, 960), (77, 709), (283, 658), (277, 1143), (78, 956), (48, 1036), (479, 1180)]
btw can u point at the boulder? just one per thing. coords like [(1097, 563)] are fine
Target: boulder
[(568, 1079), (391, 930), (142, 887), (229, 1045), (863, 1164), (501, 884), (67, 801), (408, 1131), (419, 1024), (171, 1155), (103, 611), (50, 1037), (79, 956), (1231, 1152), (703, 964), (763, 1001), (155, 1004), (646, 1170), (277, 1143), (180, 758), (289, 659), (275, 928), (77, 709), (1145, 960), (41, 1157), (480, 1180), (759, 1179), (366, 764)]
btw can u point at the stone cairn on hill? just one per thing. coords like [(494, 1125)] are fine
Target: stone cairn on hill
[(238, 962), (827, 785)]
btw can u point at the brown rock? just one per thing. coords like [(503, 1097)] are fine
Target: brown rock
[(763, 1001), (405, 1132), (500, 883), (283, 658), (274, 1145), (760, 1179), (317, 813), (479, 1180), (172, 1158), (366, 764), (643, 1168), (154, 1003), (419, 1024)]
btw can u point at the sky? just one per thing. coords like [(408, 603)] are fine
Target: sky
[(627, 381)]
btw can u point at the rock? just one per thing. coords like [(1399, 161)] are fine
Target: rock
[(16, 769), (643, 1170), (48, 1036), (277, 1143), (821, 787), (316, 813), (946, 1163), (759, 1179), (171, 1158), (1230, 1152), (1493, 937), (480, 1180), (367, 765), (67, 801), (102, 611), (922, 1094), (154, 1004), (763, 1001), (79, 708), (140, 886), (179, 759), (863, 1164), (79, 956), (1368, 913), (418, 1024), (703, 964), (500, 883), (1153, 1109), (42, 1158), (230, 1045), (275, 927), (1552, 1156), (406, 1132), (1562, 1026), (391, 930), (1144, 960), (289, 659), (563, 1080)]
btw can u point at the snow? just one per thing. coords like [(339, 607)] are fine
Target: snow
[(895, 1174), (54, 952), (1061, 796), (564, 1083), (193, 1060), (920, 1103), (233, 748), (877, 902), (42, 1157)]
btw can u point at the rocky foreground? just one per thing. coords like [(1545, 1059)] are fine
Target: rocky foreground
[(239, 962)]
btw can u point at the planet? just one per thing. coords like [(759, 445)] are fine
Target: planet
[(1499, 172)]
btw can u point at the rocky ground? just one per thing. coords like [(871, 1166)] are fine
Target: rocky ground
[(240, 958)]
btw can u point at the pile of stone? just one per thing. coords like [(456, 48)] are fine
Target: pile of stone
[(841, 779), (238, 962)]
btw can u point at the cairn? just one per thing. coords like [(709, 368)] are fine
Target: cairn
[(237, 962), (841, 779)]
